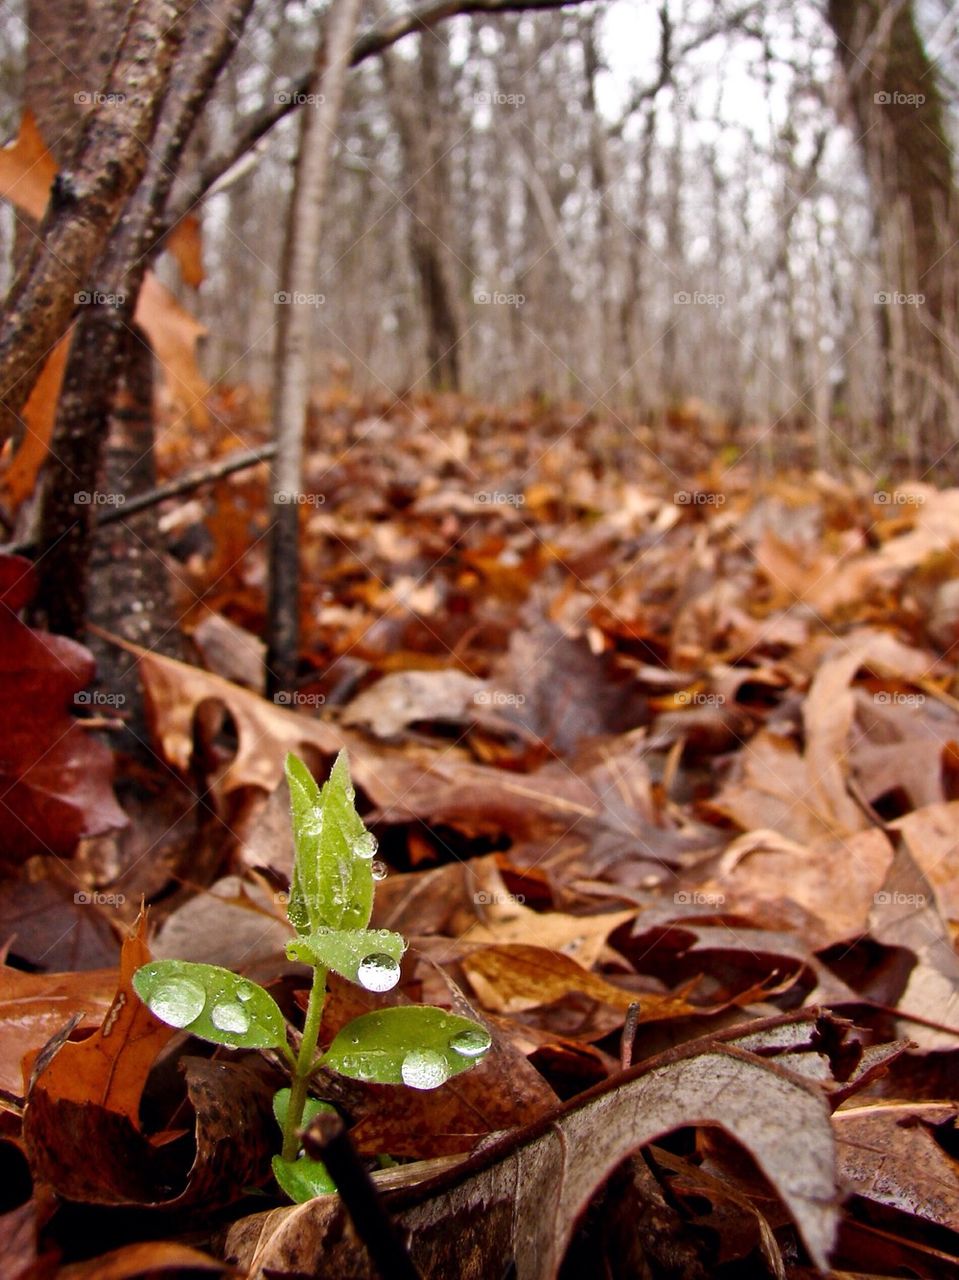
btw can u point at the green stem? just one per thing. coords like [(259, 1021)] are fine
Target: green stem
[(301, 1075)]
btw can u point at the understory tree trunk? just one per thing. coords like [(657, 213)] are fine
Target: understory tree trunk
[(894, 94)]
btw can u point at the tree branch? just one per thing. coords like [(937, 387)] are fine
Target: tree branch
[(368, 45)]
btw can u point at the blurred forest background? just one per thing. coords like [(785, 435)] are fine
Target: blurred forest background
[(625, 204)]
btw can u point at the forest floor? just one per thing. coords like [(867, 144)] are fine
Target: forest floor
[(661, 750)]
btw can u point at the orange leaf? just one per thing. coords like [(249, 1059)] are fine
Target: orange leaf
[(111, 1067), (39, 414), (27, 169), (173, 335), (185, 242)]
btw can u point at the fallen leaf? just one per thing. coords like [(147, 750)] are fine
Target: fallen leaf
[(110, 1068), (517, 1201), (35, 1006)]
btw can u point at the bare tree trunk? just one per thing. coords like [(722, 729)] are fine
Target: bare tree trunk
[(416, 98), (894, 94), (86, 201), (99, 347), (317, 138)]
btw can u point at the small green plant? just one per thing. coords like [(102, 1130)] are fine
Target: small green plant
[(330, 904)]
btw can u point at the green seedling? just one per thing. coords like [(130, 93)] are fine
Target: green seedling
[(330, 904)]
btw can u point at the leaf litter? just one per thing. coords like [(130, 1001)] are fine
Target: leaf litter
[(665, 798)]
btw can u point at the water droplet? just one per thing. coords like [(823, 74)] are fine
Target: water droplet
[(230, 1017), (424, 1069), (380, 870), (177, 1002), (365, 846), (470, 1043), (378, 972), (244, 993)]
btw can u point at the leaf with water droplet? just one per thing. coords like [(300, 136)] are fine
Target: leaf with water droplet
[(332, 884), (411, 1045), (211, 1003), (424, 1069), (349, 952)]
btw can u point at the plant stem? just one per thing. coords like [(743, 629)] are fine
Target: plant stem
[(304, 1063)]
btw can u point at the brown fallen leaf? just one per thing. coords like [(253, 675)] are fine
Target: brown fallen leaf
[(510, 978), (110, 1068), (55, 777), (888, 1155), (518, 1200), (95, 1156), (149, 1258), (35, 1006)]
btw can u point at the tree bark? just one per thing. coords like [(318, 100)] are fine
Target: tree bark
[(86, 201), (895, 98), (96, 366), (319, 123)]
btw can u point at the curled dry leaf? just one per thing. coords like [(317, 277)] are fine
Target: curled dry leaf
[(518, 1200), (35, 1006)]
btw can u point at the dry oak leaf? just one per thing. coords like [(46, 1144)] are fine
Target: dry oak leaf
[(518, 1200), (888, 1155), (111, 1067), (54, 777), (509, 979), (34, 1007)]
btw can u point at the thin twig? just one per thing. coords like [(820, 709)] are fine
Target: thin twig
[(326, 1139)]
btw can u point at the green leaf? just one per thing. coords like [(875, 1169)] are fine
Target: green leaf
[(303, 1179), (211, 1003), (369, 957), (311, 1108), (332, 884), (416, 1045)]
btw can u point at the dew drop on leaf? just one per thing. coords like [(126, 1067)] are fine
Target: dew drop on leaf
[(378, 972), (424, 1069), (379, 870), (244, 993), (365, 846), (230, 1017), (470, 1044), (177, 1002)]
